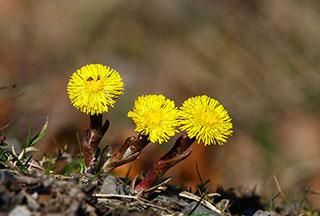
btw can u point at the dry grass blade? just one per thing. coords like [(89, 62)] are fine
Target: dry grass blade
[(110, 196), (214, 195), (147, 202), (205, 203), (281, 193), (157, 186), (197, 205), (102, 197), (133, 184), (198, 173)]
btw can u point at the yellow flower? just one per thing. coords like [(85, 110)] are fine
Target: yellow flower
[(205, 119), (155, 116), (94, 87)]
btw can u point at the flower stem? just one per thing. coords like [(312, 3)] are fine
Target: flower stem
[(96, 121), (92, 137), (177, 153), (129, 151), (131, 145)]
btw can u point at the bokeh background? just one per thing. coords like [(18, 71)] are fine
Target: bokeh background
[(260, 59)]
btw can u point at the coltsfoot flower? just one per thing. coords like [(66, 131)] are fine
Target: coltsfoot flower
[(94, 87), (205, 119), (155, 116)]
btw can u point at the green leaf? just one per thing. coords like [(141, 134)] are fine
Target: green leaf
[(40, 135), (3, 156)]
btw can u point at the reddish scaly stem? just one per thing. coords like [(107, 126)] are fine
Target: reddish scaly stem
[(128, 152), (92, 137), (177, 153), (131, 145)]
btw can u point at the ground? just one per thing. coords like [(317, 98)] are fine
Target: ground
[(37, 194)]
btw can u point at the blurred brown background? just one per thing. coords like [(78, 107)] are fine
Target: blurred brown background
[(261, 59)]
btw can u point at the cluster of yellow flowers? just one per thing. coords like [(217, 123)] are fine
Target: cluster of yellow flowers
[(94, 87)]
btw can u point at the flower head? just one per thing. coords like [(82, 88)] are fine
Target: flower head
[(94, 87), (205, 119), (155, 116)]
